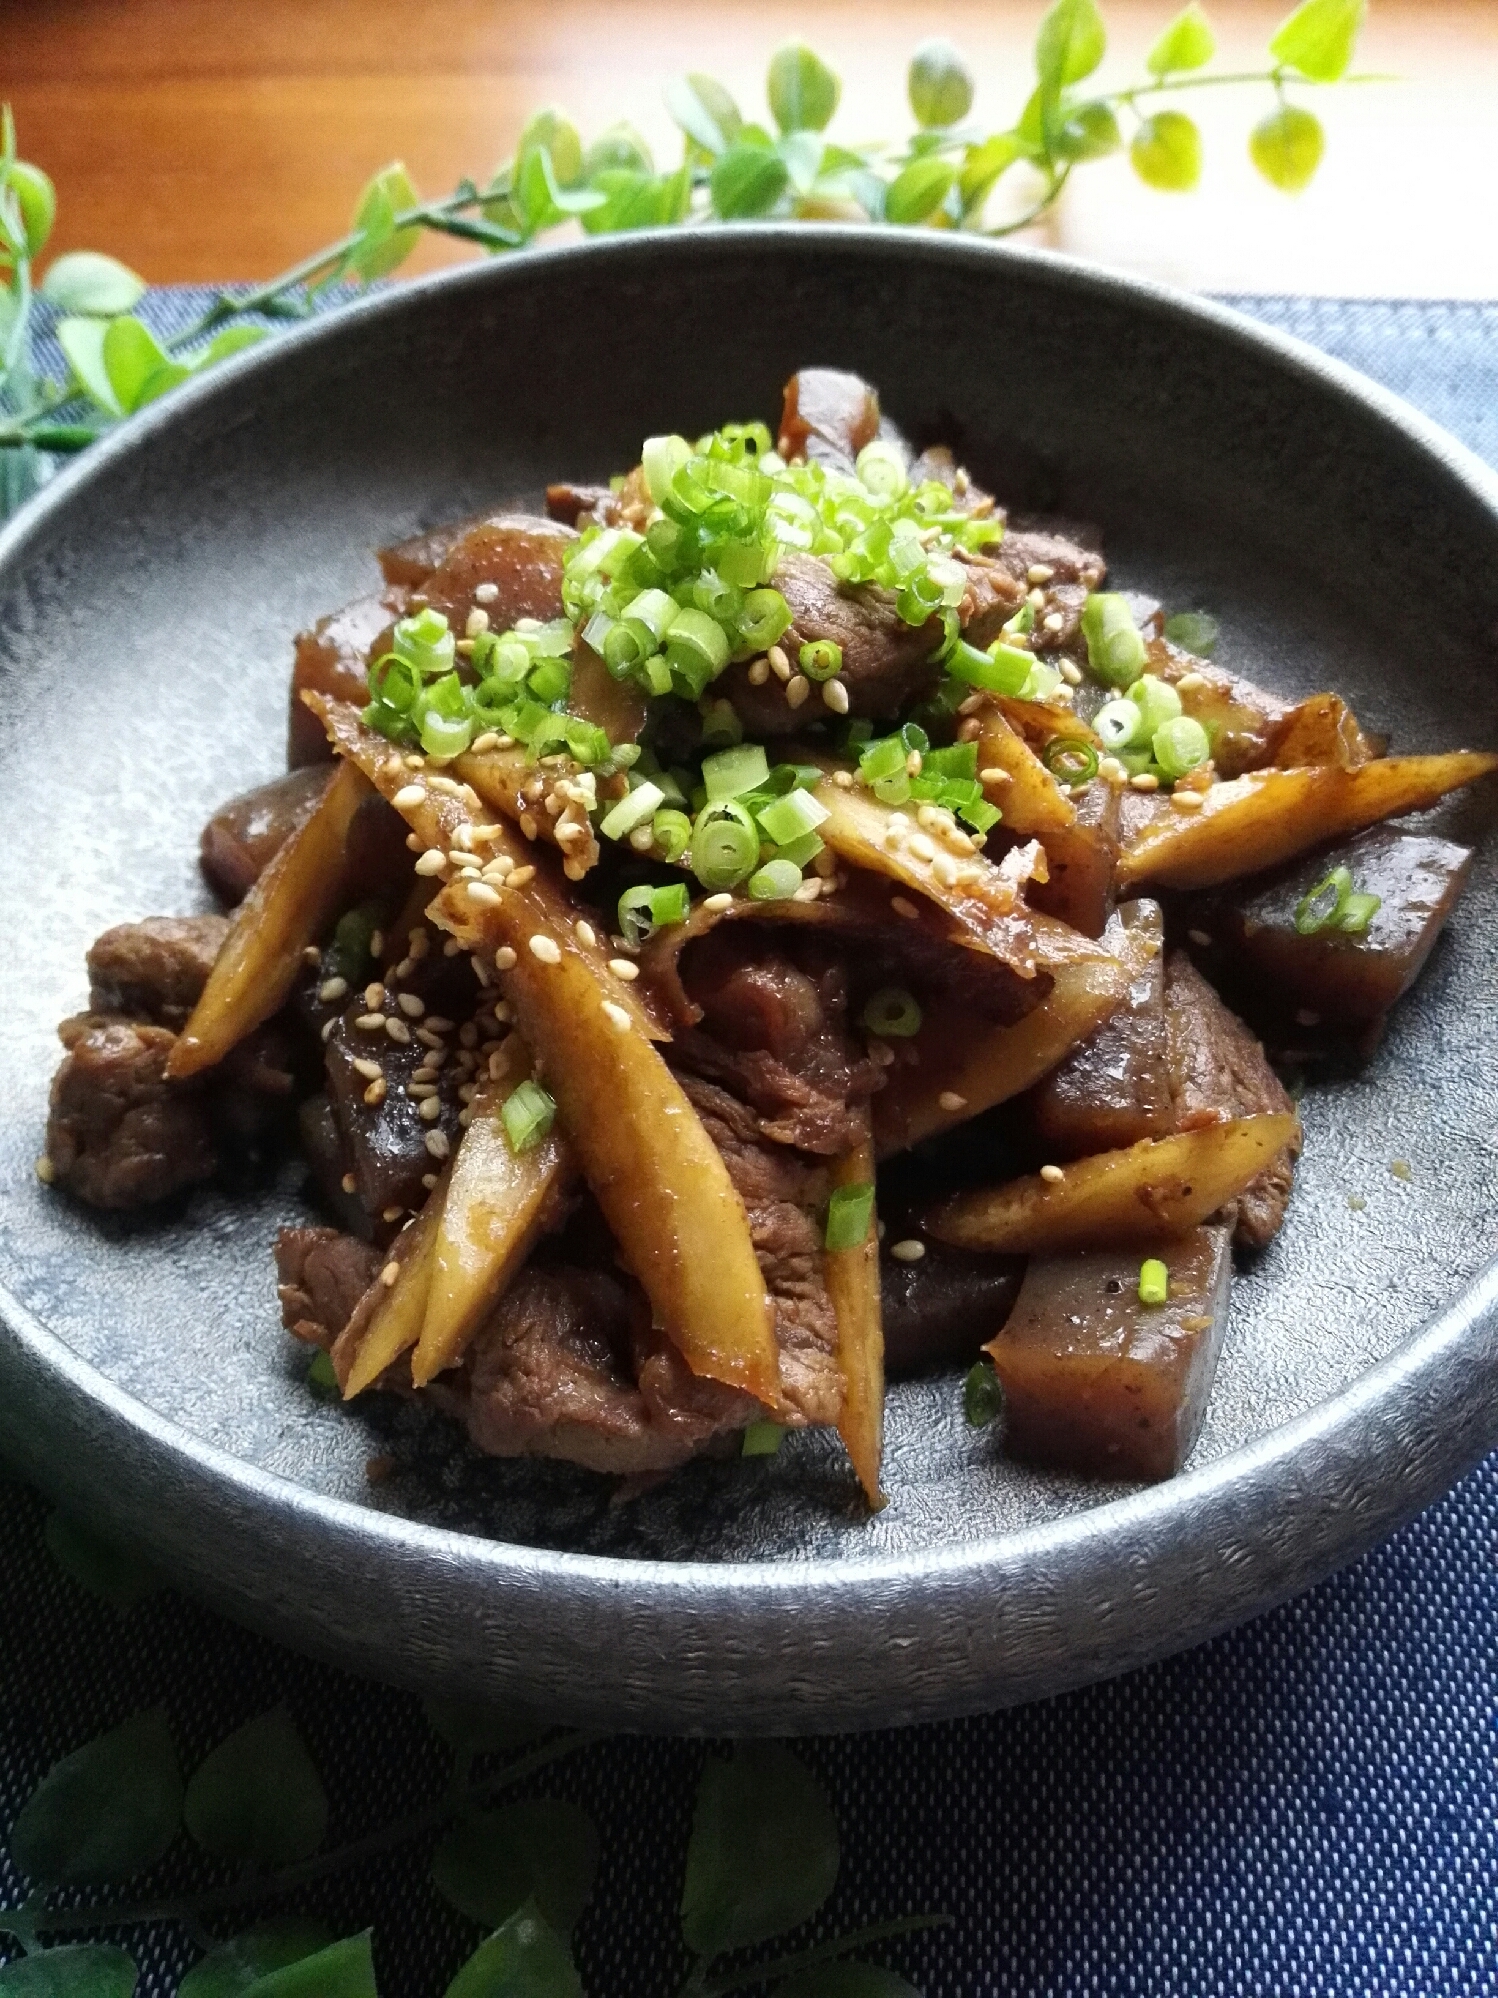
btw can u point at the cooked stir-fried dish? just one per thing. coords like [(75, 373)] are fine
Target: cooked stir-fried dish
[(769, 924)]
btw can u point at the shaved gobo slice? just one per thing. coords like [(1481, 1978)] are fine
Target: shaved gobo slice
[(853, 1285)]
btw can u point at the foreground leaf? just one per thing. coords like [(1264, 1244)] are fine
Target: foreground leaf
[(106, 1811), (1287, 146), (78, 1970), (1318, 38), (1166, 152), (802, 90), (763, 1855), (1069, 46), (387, 194), (82, 343), (257, 1799), (705, 111), (342, 1970), (544, 1852), (470, 1729), (1186, 43), (748, 181), (231, 1969), (524, 1959), (95, 1565), (88, 282)]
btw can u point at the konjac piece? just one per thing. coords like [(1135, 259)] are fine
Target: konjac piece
[(1114, 1089), (1097, 1382), (244, 836)]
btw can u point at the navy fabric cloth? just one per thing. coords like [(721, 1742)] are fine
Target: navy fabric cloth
[(1305, 1807)]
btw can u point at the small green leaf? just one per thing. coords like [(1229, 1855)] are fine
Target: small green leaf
[(918, 190), (233, 340), (1318, 38), (322, 1378), (1166, 152), (88, 282), (1187, 43), (342, 1970), (551, 131), (1088, 132), (1070, 44), (544, 200), (36, 198), (748, 181), (82, 341), (705, 112), (524, 1959), (619, 147), (160, 380), (132, 355), (386, 194), (982, 166), (802, 90), (847, 1980), (470, 1729), (633, 201), (103, 1570), (257, 1798), (230, 1970), (763, 1854), (939, 84), (1193, 631), (78, 1970), (1287, 146), (105, 1812), (544, 1851), (802, 153)]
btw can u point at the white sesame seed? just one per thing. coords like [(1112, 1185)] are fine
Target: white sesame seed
[(482, 744), (528, 825), (623, 968), (1070, 673), (392, 1213), (436, 1143), (522, 877), (716, 904), (944, 867), (428, 1039), (451, 947), (1111, 770), (448, 786), (374, 996), (1199, 937), (835, 696), (1053, 621), (431, 862), (778, 662), (970, 730), (375, 1094), (585, 933), (370, 1023), (390, 1275), (504, 958), (843, 779), (546, 949), (438, 1024), (408, 797), (328, 1026), (759, 672), (410, 1005), (483, 893), (903, 908), (913, 763), (429, 1109), (46, 1172), (616, 1016), (797, 690), (1052, 1174), (398, 1031), (808, 891), (367, 1068), (1039, 572), (642, 839), (1036, 599), (485, 593), (1191, 683), (921, 847), (1146, 780), (908, 1251), (331, 989), (349, 1183), (1187, 801), (950, 1101), (478, 620)]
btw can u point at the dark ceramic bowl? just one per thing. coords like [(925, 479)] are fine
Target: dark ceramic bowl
[(147, 602)]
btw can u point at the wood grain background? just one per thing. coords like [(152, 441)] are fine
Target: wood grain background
[(219, 139)]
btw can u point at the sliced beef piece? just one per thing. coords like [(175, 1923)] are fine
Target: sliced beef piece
[(321, 1275), (332, 658), (784, 1193), (1218, 1070), (827, 418), (774, 1032), (1064, 565), (993, 598), (155, 970), (887, 663), (244, 836), (940, 1310), (118, 1133), (937, 465), (252, 1100)]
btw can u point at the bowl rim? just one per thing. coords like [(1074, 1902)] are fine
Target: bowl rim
[(1317, 1455)]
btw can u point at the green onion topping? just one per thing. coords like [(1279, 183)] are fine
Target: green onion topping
[(1071, 760), (725, 846), (1157, 702), (821, 659), (1334, 904), (632, 810), (849, 1212), (527, 1115), (734, 771), (982, 1396), (1115, 645), (762, 1439), (1154, 1282), (892, 1013), (1180, 745), (776, 881)]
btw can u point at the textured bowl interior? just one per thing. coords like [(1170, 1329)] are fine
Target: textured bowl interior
[(146, 615)]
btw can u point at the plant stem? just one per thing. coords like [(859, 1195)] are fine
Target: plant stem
[(806, 1959), (193, 1907)]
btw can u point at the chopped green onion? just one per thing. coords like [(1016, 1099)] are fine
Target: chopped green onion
[(587, 742), (644, 910), (776, 881), (765, 617), (720, 723), (551, 680), (1023, 621), (1323, 907), (958, 759), (792, 817), (849, 1212), (882, 468), (1157, 701), (425, 642), (1119, 723), (881, 759), (982, 1396), (725, 848), (321, 1377), (1042, 682), (632, 810), (1193, 631), (395, 683), (527, 1115), (1181, 745), (762, 1439), (1154, 1282), (800, 852), (892, 1013), (551, 640), (734, 771), (661, 459), (671, 832), (669, 905), (1115, 645), (1071, 760), (696, 649), (821, 659), (1002, 669), (1358, 912)]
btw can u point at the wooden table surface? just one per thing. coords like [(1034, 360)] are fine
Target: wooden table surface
[(220, 139)]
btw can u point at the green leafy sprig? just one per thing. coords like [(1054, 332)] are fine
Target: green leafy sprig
[(947, 173), (762, 1858)]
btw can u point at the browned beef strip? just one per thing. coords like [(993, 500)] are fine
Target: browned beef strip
[(828, 416), (155, 970), (1218, 1070), (887, 663), (774, 1033), (321, 1275), (244, 836), (332, 659), (118, 1133), (783, 1192)]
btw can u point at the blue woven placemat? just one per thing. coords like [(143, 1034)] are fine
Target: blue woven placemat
[(1304, 1808)]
